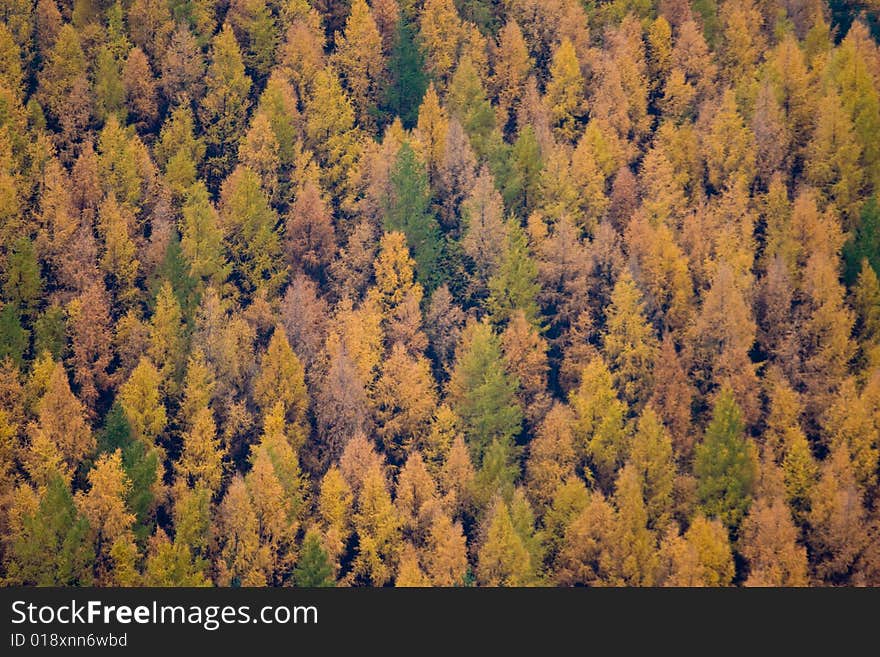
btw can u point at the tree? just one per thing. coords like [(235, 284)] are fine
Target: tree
[(565, 97), (50, 545), (525, 359), (282, 380), (64, 88), (361, 61), (512, 66), (515, 286), (249, 225), (725, 464), (629, 343), (172, 563), (224, 107), (330, 130), (255, 28), (485, 231), (503, 559), (652, 460), (377, 526), (22, 283), (407, 210), (729, 146), (241, 558), (702, 557), (313, 568), (202, 236), (334, 513), (61, 420), (634, 544), (864, 243), (115, 223), (468, 102), (833, 159), (167, 338), (200, 464), (179, 151), (769, 537), (182, 66), (308, 230), (837, 518), (141, 400), (407, 80), (440, 33), (140, 90), (259, 151), (430, 132), (599, 425), (446, 558), (109, 520), (481, 392), (405, 400), (552, 458)]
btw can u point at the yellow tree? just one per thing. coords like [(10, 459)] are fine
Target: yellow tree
[(629, 343), (201, 461), (141, 400), (430, 133), (511, 66), (61, 420), (599, 426), (361, 62), (552, 457), (405, 399), (440, 34), (565, 94), (241, 559), (282, 379), (167, 340), (334, 513), (729, 145), (109, 520), (832, 162), (652, 461), (445, 556), (503, 559), (377, 525)]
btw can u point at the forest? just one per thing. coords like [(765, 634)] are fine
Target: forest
[(439, 293)]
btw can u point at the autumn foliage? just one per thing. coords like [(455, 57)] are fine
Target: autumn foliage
[(439, 293)]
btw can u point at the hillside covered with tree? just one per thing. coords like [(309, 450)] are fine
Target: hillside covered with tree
[(439, 292)]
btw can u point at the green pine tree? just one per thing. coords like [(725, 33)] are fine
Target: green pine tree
[(725, 464)]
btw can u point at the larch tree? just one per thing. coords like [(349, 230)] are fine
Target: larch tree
[(61, 420), (482, 394), (511, 67), (565, 95), (200, 464), (503, 559), (514, 287), (652, 460), (141, 400), (725, 464), (405, 400), (202, 236), (629, 343), (224, 107), (407, 210), (600, 421), (308, 231), (109, 519), (249, 224), (51, 544), (361, 61), (281, 379)]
